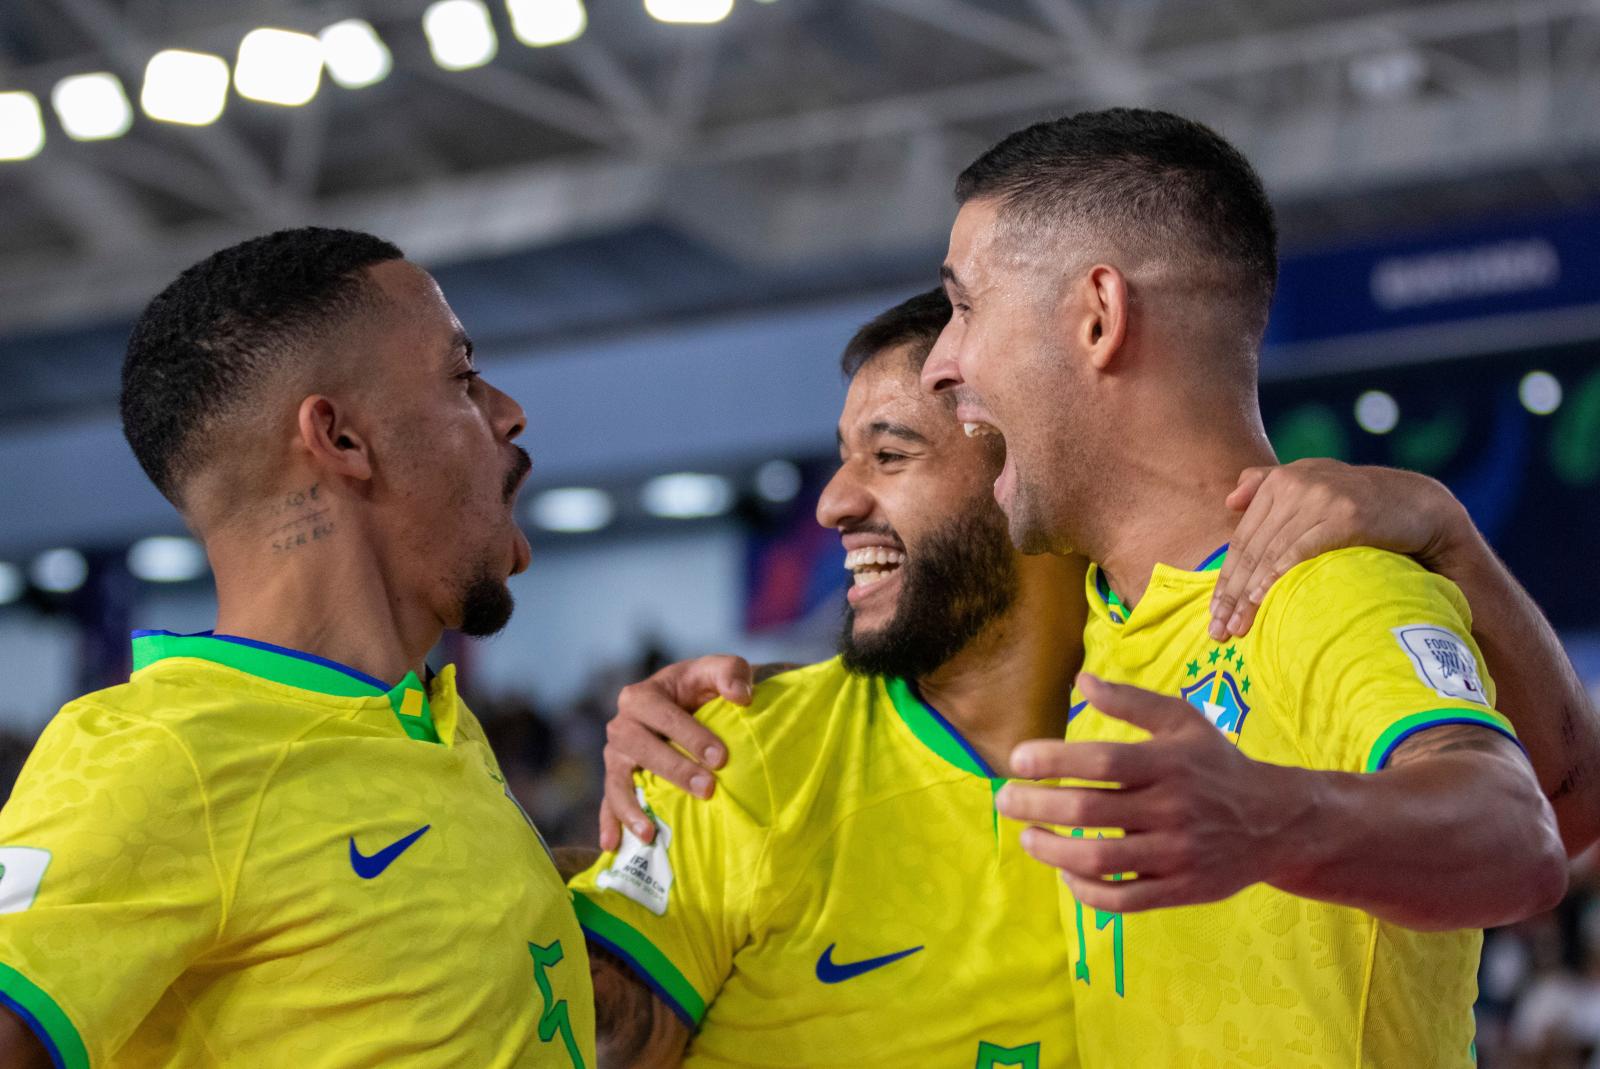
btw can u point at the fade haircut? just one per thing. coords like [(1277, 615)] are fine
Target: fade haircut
[(205, 345), (1151, 182), (917, 322)]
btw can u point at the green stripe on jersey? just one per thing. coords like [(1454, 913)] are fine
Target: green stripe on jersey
[(642, 954), (265, 664), (1403, 729), (934, 735), (49, 1021)]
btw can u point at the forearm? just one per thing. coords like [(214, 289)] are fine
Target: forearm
[(1461, 840), (1538, 688)]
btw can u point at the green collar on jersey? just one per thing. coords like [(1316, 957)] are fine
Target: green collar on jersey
[(292, 668), (934, 731), (1119, 611)]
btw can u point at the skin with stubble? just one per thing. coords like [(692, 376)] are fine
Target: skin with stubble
[(384, 500)]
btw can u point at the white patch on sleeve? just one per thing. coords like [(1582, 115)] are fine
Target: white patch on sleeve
[(1443, 661), (642, 871), (21, 869)]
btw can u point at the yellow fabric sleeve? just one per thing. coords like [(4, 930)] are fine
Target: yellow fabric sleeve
[(1370, 648), (109, 886), (677, 910)]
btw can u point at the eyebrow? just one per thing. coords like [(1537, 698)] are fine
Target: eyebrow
[(897, 430), (948, 275), (460, 341)]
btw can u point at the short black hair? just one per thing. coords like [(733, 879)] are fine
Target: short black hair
[(206, 342), (916, 321), (1147, 174)]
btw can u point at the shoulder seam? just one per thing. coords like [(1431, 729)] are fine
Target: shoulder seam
[(224, 901), (247, 839)]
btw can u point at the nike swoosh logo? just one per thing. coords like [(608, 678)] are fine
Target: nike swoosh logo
[(369, 867), (832, 972)]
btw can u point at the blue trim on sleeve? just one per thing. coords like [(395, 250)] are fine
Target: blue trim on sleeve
[(644, 974), (56, 1060), (1383, 760)]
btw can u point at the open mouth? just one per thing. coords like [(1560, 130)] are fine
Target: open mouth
[(873, 564), (979, 430)]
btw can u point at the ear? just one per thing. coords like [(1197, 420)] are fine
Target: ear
[(334, 444), (1104, 325)]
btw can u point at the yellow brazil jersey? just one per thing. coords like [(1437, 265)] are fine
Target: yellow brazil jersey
[(847, 897), (1351, 653), (247, 856)]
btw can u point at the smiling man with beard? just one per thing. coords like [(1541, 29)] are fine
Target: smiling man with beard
[(286, 841), (806, 915)]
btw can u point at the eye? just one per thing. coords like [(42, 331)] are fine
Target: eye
[(467, 376), (887, 456)]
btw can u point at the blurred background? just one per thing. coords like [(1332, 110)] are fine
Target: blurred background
[(661, 220)]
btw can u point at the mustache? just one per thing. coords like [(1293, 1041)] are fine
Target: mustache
[(520, 467), (882, 529)]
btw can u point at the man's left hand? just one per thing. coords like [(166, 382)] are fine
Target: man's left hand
[(1201, 821)]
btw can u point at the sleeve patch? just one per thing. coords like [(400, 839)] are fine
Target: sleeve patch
[(1443, 662), (642, 871), (21, 870)]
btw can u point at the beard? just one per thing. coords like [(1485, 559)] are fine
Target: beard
[(958, 582), (486, 601), (486, 605)]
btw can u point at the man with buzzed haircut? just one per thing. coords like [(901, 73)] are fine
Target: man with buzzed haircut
[(1275, 849), (286, 842)]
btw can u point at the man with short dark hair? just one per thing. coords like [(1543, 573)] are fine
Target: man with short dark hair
[(286, 842), (1280, 845), (806, 915)]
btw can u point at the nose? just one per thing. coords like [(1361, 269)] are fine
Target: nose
[(844, 500), (509, 419), (941, 371)]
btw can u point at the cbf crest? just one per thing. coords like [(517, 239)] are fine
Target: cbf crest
[(1219, 689)]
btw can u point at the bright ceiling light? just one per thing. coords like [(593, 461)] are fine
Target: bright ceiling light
[(573, 509), (60, 571), (696, 11), (21, 126), (1540, 392), (92, 107), (460, 35), (11, 584), (687, 496), (356, 56), (278, 67), (1377, 412), (778, 480), (540, 23), (165, 559), (185, 87)]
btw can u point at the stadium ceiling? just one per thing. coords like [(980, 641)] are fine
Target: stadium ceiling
[(794, 132)]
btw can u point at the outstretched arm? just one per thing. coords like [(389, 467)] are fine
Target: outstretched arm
[(1297, 511), (1452, 834)]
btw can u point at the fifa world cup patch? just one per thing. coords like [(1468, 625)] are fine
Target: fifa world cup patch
[(21, 871), (1443, 661), (642, 871)]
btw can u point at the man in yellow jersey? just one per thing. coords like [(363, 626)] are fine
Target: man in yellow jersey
[(1288, 864), (689, 918), (848, 896), (286, 842)]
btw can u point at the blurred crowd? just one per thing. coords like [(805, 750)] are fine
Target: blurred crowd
[(1539, 985)]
